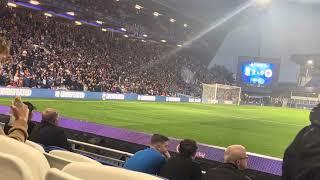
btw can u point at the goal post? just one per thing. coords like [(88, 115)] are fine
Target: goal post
[(221, 94)]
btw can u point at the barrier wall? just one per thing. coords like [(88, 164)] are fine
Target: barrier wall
[(62, 94)]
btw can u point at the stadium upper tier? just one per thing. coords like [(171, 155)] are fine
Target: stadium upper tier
[(55, 53)]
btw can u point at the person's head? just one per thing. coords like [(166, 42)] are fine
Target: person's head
[(50, 115), (237, 155), (188, 148), (315, 115), (4, 47), (31, 108), (160, 143)]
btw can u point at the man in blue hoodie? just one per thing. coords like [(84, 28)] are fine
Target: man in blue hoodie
[(151, 159)]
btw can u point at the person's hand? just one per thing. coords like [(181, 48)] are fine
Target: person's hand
[(19, 110), (167, 155)]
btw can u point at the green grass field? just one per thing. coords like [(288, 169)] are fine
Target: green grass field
[(263, 130)]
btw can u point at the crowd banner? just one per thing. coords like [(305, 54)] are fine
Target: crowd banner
[(70, 94), (64, 94), (172, 99), (15, 92), (146, 98), (112, 96)]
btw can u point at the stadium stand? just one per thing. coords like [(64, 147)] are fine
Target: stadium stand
[(55, 54), (14, 168), (89, 171), (82, 58)]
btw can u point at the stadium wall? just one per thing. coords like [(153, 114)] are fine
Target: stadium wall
[(62, 94)]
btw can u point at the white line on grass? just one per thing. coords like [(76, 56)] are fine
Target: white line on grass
[(274, 122)]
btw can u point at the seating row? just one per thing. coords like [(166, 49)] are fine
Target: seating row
[(29, 161)]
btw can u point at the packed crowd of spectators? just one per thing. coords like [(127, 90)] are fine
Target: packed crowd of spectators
[(55, 53), (46, 53)]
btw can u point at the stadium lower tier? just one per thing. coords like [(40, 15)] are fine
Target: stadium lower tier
[(114, 152), (263, 130)]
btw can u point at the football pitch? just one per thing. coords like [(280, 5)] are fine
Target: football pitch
[(263, 130)]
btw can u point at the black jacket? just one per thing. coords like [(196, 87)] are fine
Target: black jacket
[(181, 168), (49, 135), (31, 125), (226, 171), (301, 159)]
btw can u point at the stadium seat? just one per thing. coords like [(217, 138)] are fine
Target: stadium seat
[(73, 157), (35, 146), (56, 162), (13, 168), (88, 171), (55, 174), (36, 161), (51, 148)]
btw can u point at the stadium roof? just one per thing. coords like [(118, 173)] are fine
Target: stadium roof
[(302, 59), (204, 11)]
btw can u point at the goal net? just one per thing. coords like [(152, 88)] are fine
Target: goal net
[(220, 94)]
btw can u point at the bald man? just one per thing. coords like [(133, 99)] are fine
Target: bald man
[(235, 161), (48, 133)]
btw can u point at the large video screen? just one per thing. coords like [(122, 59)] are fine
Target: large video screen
[(257, 73)]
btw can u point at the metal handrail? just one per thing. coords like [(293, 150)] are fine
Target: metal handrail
[(99, 147), (92, 145), (98, 155), (101, 158)]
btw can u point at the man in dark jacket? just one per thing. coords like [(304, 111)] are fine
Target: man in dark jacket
[(183, 167), (31, 124), (48, 133), (301, 159), (235, 161)]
